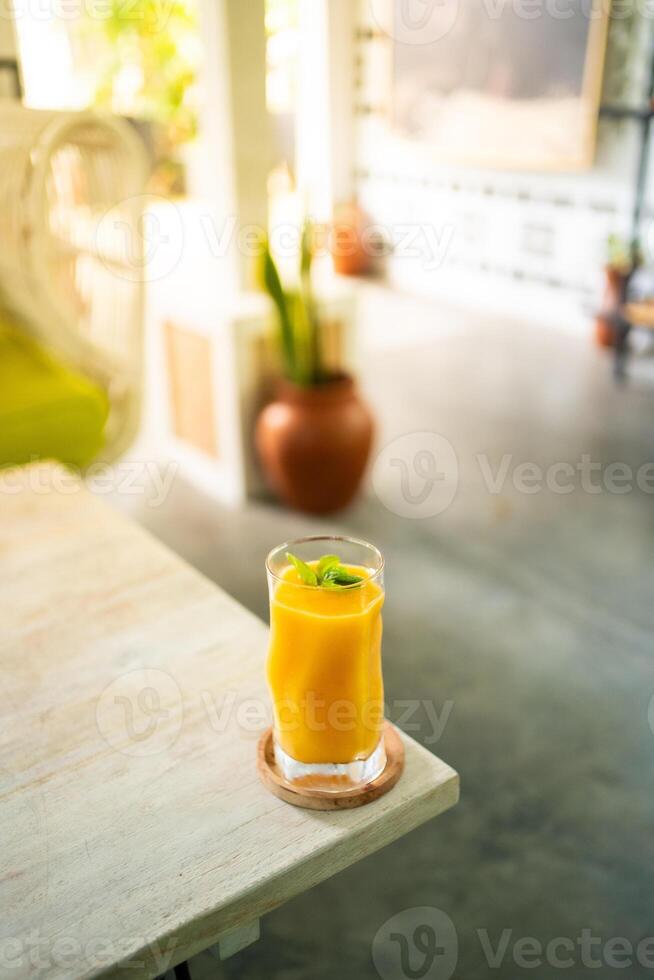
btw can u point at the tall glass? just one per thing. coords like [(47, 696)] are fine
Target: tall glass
[(324, 666)]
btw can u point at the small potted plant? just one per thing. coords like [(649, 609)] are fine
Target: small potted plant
[(314, 439), (356, 246), (622, 260)]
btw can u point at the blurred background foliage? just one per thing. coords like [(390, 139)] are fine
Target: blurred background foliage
[(145, 61)]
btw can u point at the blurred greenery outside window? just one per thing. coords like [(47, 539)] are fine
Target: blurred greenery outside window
[(138, 59), (141, 59), (145, 62)]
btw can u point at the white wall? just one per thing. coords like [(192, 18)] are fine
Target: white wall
[(529, 243)]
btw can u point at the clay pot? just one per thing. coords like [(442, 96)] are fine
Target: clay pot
[(314, 443), (604, 331), (353, 248), (614, 291)]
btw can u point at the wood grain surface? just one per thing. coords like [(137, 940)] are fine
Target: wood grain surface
[(134, 829)]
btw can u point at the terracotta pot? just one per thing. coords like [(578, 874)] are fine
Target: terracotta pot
[(353, 250), (604, 331), (614, 290), (314, 444)]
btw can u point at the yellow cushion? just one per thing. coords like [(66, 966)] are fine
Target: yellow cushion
[(47, 410)]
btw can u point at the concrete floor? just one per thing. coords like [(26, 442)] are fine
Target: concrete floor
[(532, 613)]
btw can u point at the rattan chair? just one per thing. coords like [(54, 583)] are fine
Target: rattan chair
[(71, 256)]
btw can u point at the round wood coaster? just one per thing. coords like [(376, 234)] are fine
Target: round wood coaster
[(341, 799)]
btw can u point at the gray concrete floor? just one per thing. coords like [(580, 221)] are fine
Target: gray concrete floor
[(533, 614)]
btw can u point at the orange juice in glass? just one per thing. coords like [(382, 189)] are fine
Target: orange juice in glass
[(324, 662)]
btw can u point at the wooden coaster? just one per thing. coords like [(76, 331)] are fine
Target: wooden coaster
[(319, 799)]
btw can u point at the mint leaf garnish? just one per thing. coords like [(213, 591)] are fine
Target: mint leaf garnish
[(337, 575), (325, 563), (329, 573), (306, 573)]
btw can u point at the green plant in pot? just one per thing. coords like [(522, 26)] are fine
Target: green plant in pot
[(623, 258), (314, 439)]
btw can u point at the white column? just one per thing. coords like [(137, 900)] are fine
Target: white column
[(340, 35), (231, 171), (325, 110)]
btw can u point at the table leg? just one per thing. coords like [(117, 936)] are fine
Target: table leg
[(622, 328), (236, 939), (228, 944)]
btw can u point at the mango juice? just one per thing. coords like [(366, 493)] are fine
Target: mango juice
[(324, 668)]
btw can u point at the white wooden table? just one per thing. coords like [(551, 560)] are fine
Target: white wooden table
[(134, 832)]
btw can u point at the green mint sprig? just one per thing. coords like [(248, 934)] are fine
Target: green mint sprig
[(329, 573)]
